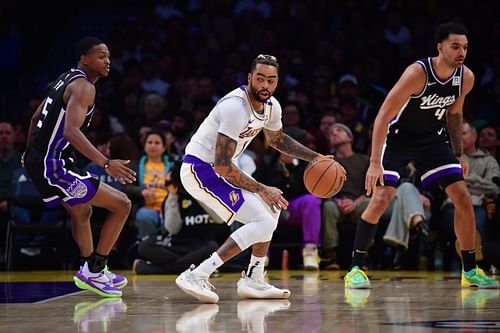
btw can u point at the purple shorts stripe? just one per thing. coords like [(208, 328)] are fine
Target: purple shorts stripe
[(229, 195), (429, 180), (391, 178)]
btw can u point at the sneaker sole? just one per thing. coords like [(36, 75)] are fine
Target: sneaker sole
[(361, 286), (285, 294), (82, 285), (203, 298), (466, 284)]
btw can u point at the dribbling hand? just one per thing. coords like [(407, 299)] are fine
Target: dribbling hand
[(119, 170)]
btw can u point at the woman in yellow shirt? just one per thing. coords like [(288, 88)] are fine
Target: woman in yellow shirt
[(153, 168)]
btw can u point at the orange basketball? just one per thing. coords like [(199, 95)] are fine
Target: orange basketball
[(324, 177)]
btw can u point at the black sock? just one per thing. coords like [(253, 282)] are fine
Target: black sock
[(365, 232), (97, 262), (84, 259), (469, 259)]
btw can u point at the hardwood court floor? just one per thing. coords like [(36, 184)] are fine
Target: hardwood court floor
[(397, 302)]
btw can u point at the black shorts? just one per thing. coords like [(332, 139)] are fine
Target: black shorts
[(434, 160), (59, 180)]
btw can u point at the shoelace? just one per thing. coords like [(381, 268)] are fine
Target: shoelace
[(204, 281), (108, 273)]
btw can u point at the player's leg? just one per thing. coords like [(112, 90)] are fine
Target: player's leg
[(465, 230), (118, 205), (365, 233)]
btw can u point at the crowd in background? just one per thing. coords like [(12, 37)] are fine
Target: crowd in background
[(172, 61)]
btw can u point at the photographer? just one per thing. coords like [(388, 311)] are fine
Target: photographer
[(189, 236)]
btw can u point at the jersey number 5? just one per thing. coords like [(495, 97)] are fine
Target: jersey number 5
[(44, 112), (439, 113)]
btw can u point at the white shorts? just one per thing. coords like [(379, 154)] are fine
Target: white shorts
[(227, 201)]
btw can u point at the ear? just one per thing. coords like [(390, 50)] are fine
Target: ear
[(249, 77), (439, 47)]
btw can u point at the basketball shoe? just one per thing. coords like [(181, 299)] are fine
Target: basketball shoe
[(197, 320), (197, 285), (99, 283), (250, 288), (356, 279), (310, 257), (119, 281), (477, 278)]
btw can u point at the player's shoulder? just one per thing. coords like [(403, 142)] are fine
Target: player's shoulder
[(468, 73)]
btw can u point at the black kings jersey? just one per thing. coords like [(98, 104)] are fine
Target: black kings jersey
[(423, 116), (47, 136)]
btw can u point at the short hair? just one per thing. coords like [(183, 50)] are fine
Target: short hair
[(265, 59), (443, 31), (85, 45)]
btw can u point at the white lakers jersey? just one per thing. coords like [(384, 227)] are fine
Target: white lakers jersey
[(235, 117)]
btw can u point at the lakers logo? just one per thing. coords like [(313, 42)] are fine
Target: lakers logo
[(234, 197)]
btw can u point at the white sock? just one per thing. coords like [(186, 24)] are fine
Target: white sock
[(256, 267), (208, 266)]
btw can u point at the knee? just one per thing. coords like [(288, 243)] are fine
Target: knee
[(330, 209), (267, 228), (380, 201), (83, 216)]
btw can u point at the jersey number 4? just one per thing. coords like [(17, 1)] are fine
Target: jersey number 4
[(439, 113)]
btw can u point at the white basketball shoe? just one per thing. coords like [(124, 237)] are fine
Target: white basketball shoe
[(197, 285), (250, 288)]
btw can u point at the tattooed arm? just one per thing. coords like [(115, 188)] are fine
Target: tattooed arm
[(454, 117), (224, 166), (285, 144)]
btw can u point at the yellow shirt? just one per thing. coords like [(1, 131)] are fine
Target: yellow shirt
[(154, 179)]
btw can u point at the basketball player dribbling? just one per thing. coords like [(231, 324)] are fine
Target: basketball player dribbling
[(210, 175), (421, 121)]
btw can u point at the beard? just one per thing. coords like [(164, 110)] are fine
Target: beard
[(255, 94)]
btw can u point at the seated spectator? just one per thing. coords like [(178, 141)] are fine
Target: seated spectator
[(409, 209), (304, 209), (488, 140), (347, 205), (152, 170), (10, 160), (188, 236)]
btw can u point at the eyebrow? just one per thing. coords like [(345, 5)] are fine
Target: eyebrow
[(267, 77)]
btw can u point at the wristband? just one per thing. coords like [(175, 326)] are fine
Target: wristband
[(106, 164)]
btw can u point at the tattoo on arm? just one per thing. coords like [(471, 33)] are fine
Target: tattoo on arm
[(454, 123), (287, 145), (224, 152)]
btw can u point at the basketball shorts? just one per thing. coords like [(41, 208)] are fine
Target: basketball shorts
[(435, 162), (59, 180), (219, 197)]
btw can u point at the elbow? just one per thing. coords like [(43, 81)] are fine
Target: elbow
[(68, 134)]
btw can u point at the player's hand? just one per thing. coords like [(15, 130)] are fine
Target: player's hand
[(273, 197), (374, 174), (465, 165), (119, 170)]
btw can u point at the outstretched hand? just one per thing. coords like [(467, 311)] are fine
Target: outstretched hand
[(119, 170)]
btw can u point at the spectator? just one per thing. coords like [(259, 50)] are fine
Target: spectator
[(152, 170), (188, 235)]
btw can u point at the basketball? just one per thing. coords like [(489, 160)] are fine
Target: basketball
[(324, 177)]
